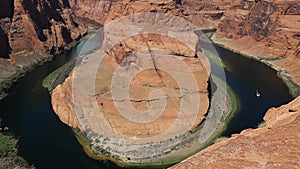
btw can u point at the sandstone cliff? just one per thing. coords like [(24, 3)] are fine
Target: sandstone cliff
[(36, 27), (267, 30), (276, 145), (96, 10), (31, 30), (204, 14)]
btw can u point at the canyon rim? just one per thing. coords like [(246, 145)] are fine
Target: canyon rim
[(264, 30)]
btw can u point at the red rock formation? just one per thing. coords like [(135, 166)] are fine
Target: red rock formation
[(202, 13), (36, 26), (268, 30), (276, 145), (96, 10), (274, 24), (30, 31)]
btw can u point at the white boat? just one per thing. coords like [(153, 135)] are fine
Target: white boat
[(257, 94)]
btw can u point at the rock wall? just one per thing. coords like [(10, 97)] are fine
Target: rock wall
[(275, 145), (96, 10), (202, 13), (30, 31), (273, 24), (36, 26), (267, 30)]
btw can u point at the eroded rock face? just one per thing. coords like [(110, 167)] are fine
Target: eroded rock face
[(202, 13), (142, 92), (37, 27), (30, 31), (96, 10), (276, 145), (267, 29), (272, 24)]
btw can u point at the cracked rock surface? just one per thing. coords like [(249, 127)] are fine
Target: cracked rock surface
[(139, 95)]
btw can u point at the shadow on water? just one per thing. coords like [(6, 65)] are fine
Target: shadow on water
[(48, 143)]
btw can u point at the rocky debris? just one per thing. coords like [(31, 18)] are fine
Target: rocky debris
[(202, 13), (267, 30), (276, 145), (30, 31), (37, 27), (273, 25), (139, 95), (10, 163), (96, 10)]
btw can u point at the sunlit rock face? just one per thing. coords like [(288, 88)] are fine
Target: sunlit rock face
[(204, 14), (36, 27), (30, 31), (268, 30), (275, 145)]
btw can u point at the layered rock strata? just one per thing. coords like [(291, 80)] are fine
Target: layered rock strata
[(275, 145), (267, 30), (30, 31), (202, 13)]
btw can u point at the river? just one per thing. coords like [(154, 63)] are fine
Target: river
[(48, 143)]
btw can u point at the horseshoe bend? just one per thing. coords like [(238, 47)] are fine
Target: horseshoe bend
[(146, 94), (149, 84)]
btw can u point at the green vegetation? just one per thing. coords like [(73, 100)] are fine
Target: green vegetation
[(220, 139), (262, 124), (54, 77), (233, 99), (8, 146), (270, 59), (87, 147), (57, 76), (9, 150), (294, 89), (214, 58), (2, 95)]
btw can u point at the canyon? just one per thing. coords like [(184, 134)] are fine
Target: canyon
[(265, 30), (274, 145), (203, 14), (135, 77), (31, 31)]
